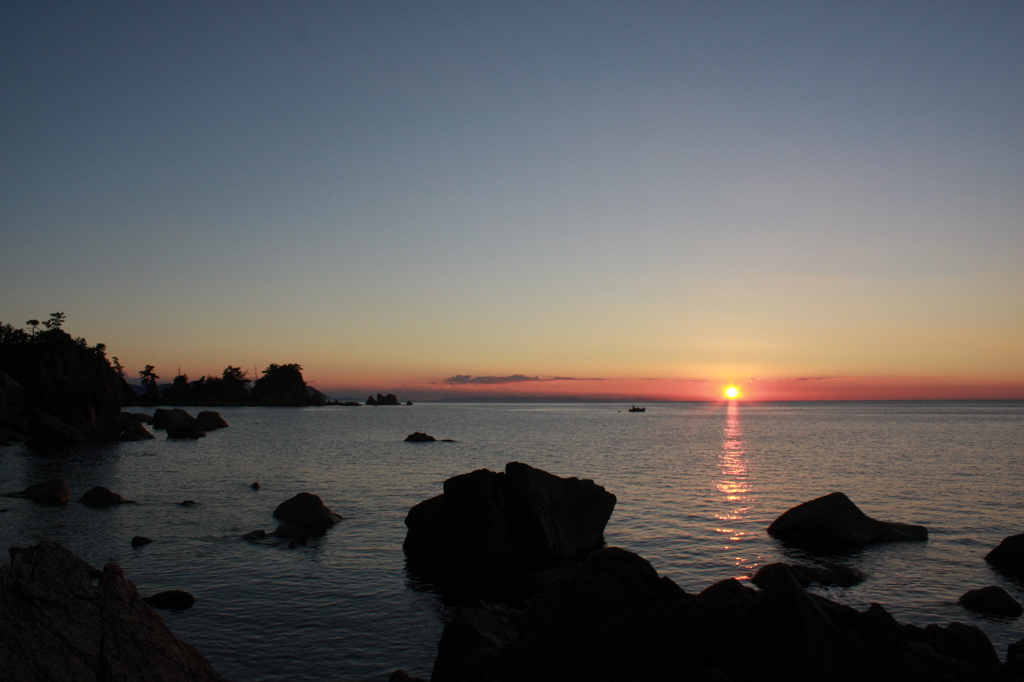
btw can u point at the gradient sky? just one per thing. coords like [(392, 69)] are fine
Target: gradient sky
[(811, 199)]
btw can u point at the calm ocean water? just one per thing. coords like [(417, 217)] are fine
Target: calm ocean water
[(697, 484)]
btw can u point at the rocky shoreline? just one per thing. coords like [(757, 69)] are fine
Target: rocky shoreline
[(577, 610)]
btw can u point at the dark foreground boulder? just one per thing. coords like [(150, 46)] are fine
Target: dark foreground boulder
[(613, 618), (523, 518), (56, 625), (210, 421), (54, 491), (992, 600), (307, 513), (1009, 555), (419, 437), (102, 497), (835, 518)]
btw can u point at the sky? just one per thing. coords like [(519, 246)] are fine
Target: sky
[(809, 200)]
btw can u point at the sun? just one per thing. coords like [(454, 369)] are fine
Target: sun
[(732, 393)]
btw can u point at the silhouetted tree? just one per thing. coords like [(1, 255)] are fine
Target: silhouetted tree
[(56, 320), (179, 392), (11, 334), (149, 378), (33, 324)]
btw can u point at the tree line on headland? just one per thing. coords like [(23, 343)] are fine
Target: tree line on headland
[(53, 383)]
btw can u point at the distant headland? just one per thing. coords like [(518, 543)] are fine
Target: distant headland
[(56, 389)]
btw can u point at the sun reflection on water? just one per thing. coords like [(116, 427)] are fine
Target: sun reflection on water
[(735, 499)]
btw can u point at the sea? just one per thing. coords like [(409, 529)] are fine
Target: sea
[(697, 485)]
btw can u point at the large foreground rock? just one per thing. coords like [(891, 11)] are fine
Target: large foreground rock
[(522, 518), (613, 618), (209, 420), (835, 518), (56, 625), (102, 497), (307, 513)]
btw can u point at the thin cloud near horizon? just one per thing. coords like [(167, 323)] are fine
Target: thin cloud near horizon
[(463, 379)]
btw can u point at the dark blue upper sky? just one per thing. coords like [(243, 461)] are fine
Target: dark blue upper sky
[(628, 189)]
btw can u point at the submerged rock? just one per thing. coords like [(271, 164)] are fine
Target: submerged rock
[(308, 513), (835, 518), (139, 541), (102, 497), (176, 600), (829, 574), (56, 625), (992, 600), (255, 535), (54, 491), (523, 518)]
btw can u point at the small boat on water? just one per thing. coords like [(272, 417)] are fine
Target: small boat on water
[(637, 409)]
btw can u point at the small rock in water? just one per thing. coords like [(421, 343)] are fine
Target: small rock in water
[(102, 497), (255, 486), (139, 541), (419, 437), (992, 600), (176, 600), (54, 491), (187, 503), (255, 535), (1009, 555)]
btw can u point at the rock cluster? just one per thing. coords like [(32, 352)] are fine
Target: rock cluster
[(56, 625), (613, 617), (389, 399), (522, 518)]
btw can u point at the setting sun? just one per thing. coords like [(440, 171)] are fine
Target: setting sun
[(732, 392)]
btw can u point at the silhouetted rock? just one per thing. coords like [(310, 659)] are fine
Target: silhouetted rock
[(47, 431), (613, 618), (255, 535), (992, 600), (139, 541), (402, 676), (255, 485), (102, 497), (830, 574), (521, 519), (176, 600), (163, 418), (308, 512), (834, 518), (66, 391), (54, 491), (187, 503), (290, 531), (132, 428), (210, 421), (140, 417), (408, 402), (1008, 556), (56, 625), (419, 437)]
